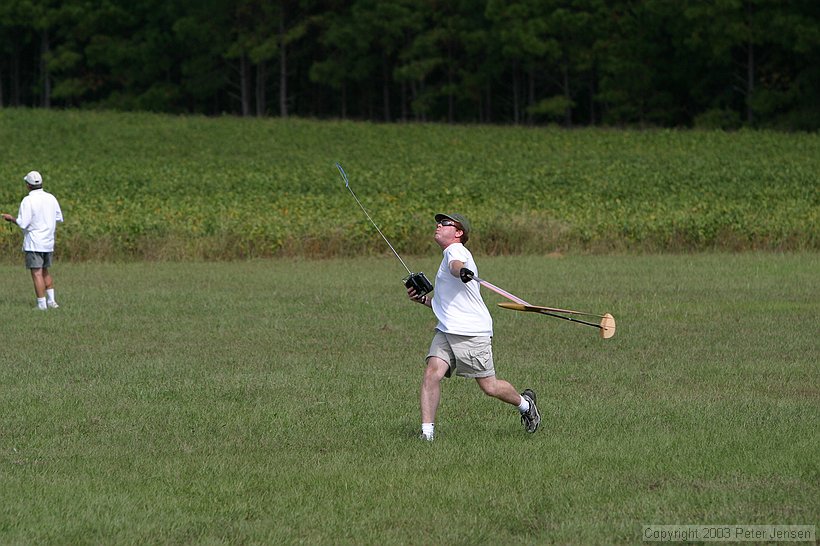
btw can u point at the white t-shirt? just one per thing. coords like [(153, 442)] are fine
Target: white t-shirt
[(459, 307), (38, 216)]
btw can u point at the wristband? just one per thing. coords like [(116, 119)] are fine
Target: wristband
[(424, 300)]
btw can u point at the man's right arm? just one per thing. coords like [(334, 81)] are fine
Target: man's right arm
[(24, 214)]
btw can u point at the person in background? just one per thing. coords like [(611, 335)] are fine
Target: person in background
[(38, 216), (463, 338)]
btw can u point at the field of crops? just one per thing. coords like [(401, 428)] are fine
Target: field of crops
[(156, 187)]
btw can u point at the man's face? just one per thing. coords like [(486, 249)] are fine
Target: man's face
[(447, 233)]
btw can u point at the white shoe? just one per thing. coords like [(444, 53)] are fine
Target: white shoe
[(425, 437), (53, 305)]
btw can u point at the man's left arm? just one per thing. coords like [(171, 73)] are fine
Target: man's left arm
[(455, 268)]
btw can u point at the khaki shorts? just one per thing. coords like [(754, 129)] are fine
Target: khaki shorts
[(38, 260), (469, 356)]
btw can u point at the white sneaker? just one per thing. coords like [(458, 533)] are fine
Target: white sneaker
[(53, 305), (425, 437)]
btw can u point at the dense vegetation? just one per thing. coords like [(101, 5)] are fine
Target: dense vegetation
[(154, 186), (715, 63)]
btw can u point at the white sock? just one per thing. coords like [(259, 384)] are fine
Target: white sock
[(41, 303), (50, 294), (428, 429), (524, 406)]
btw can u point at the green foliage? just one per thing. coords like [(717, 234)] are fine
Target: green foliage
[(721, 119), (620, 62), (174, 188), (553, 107)]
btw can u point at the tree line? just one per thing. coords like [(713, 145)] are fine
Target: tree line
[(669, 63)]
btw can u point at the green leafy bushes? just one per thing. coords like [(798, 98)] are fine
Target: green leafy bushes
[(143, 186)]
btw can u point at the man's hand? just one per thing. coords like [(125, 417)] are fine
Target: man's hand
[(466, 275), (413, 295), (9, 218)]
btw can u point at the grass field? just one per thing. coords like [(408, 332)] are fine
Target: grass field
[(261, 402)]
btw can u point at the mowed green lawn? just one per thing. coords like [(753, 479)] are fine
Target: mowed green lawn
[(277, 402)]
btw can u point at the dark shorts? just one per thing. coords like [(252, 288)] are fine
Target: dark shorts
[(38, 260)]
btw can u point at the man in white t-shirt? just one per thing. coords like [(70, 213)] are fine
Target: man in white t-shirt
[(464, 333), (38, 216)]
